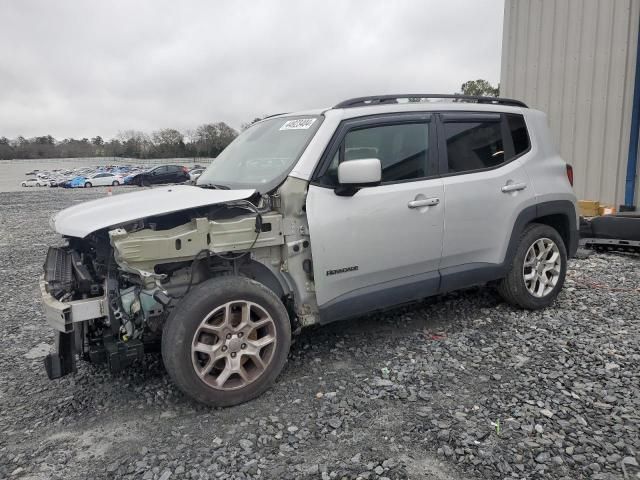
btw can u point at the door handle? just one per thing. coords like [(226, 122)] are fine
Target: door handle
[(513, 187), (427, 202)]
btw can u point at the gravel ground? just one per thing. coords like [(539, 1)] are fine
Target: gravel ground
[(461, 386)]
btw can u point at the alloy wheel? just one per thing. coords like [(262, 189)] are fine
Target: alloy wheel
[(542, 267), (233, 345)]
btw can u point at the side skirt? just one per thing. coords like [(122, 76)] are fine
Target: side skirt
[(380, 296)]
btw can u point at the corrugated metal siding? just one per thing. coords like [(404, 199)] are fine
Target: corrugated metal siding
[(575, 60)]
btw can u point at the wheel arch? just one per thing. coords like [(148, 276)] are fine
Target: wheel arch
[(560, 223), (270, 278), (558, 214)]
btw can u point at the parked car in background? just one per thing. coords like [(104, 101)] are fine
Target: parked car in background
[(103, 179), (161, 174), (195, 173), (34, 182), (76, 182), (129, 178)]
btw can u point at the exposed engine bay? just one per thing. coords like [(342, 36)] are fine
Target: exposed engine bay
[(142, 269)]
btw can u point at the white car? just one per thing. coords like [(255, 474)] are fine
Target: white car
[(34, 182), (195, 173), (310, 218), (103, 179)]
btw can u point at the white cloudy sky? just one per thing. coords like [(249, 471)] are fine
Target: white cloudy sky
[(88, 67)]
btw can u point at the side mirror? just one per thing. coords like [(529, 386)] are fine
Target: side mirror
[(354, 174), (360, 172)]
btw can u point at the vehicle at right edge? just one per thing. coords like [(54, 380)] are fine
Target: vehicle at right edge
[(309, 218)]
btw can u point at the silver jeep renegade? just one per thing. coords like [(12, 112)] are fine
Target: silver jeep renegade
[(310, 218)]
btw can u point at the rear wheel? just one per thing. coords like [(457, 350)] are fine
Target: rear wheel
[(538, 270), (88, 185), (227, 341)]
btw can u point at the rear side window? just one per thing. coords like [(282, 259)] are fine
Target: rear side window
[(480, 144), (402, 149), (519, 133), (473, 145)]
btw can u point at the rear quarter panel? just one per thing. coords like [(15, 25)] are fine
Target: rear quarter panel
[(546, 169)]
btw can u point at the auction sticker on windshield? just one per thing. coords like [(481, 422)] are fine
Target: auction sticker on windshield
[(298, 124)]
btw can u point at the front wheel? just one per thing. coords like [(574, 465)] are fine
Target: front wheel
[(88, 185), (538, 270), (115, 183), (226, 341)]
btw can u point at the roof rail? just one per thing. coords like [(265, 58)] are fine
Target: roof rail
[(387, 99)]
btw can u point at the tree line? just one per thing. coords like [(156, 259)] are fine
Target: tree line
[(207, 140)]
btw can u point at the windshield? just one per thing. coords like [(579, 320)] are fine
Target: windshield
[(262, 156)]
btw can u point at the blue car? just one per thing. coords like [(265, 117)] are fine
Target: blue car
[(77, 182)]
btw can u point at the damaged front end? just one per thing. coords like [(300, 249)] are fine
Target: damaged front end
[(109, 293), (89, 306)]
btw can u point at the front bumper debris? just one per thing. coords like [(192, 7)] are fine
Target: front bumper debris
[(62, 315), (63, 362)]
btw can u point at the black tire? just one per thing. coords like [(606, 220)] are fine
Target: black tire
[(115, 183), (513, 289), (184, 320), (88, 185)]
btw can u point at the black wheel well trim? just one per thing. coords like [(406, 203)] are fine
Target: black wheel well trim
[(276, 281), (261, 273), (559, 214)]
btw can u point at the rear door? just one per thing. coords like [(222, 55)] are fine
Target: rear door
[(101, 179), (486, 187), (382, 245), (174, 173)]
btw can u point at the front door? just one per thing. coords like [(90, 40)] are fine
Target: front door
[(160, 175), (381, 246)]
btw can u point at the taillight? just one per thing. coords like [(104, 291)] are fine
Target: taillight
[(570, 174), (186, 170)]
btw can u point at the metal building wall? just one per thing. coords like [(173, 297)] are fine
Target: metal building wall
[(575, 60)]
